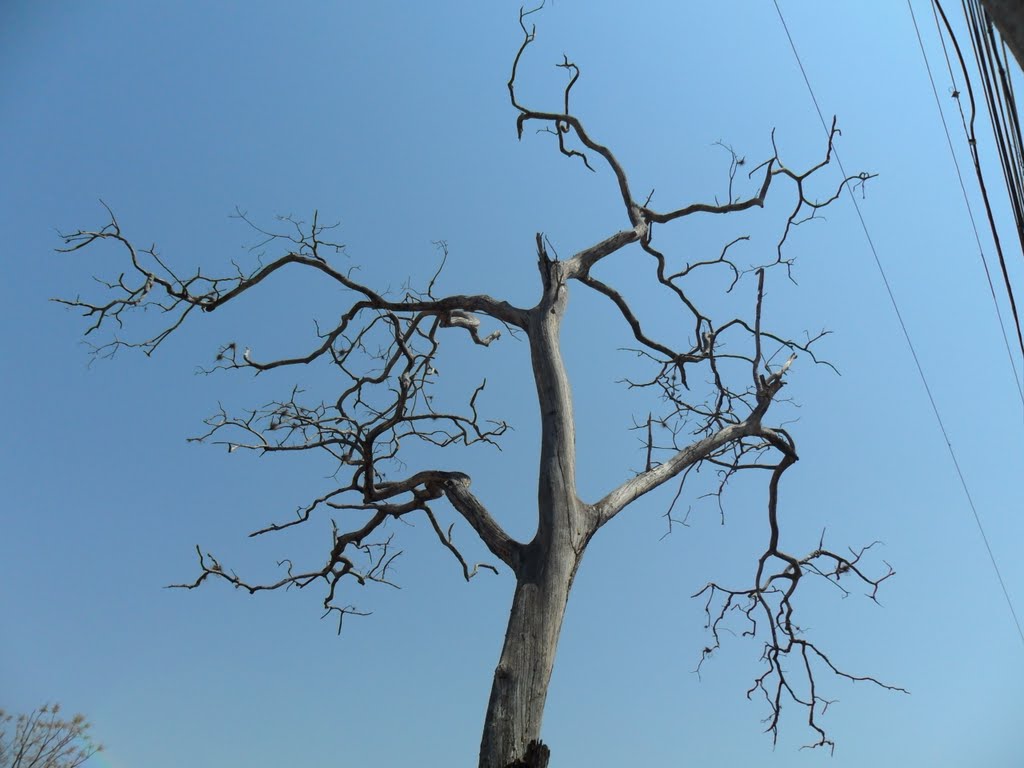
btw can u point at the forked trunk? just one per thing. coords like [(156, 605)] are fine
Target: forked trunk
[(545, 568), (520, 685)]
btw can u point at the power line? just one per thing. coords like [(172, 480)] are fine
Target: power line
[(963, 188), (906, 333), (973, 143), (1002, 110), (1001, 115)]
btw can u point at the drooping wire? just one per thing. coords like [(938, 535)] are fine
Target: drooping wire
[(906, 333), (963, 189)]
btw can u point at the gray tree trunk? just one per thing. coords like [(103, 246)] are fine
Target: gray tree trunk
[(547, 565), (519, 690)]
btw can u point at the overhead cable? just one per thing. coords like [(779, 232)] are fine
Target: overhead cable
[(906, 332)]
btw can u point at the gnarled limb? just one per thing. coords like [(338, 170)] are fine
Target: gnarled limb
[(384, 347), (150, 284), (768, 610), (728, 423)]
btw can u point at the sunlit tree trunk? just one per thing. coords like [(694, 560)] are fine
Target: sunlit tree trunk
[(548, 564), (520, 686)]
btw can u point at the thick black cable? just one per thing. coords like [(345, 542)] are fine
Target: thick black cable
[(973, 143), (982, 44), (1008, 118), (967, 201)]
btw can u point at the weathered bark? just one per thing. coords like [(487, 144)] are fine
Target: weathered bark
[(1008, 16), (547, 564), (537, 756), (519, 690)]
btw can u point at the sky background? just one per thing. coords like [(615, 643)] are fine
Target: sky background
[(392, 118)]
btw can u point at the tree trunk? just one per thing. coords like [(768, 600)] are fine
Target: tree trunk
[(520, 686), (548, 563)]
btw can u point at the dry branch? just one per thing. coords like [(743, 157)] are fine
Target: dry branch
[(385, 347)]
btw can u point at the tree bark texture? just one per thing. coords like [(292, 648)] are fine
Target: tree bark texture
[(548, 563), (519, 690)]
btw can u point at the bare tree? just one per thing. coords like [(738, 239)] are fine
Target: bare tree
[(44, 739), (715, 392)]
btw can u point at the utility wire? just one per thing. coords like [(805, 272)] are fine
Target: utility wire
[(963, 189), (906, 333), (969, 134), (1001, 117), (937, 10), (1006, 126), (973, 143)]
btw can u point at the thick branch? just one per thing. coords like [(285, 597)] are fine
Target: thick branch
[(647, 481), (455, 486), (731, 207), (580, 263)]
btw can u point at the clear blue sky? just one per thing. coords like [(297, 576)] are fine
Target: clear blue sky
[(392, 117)]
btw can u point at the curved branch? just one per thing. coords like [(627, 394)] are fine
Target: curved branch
[(455, 486), (384, 501), (768, 606), (647, 481), (742, 205), (151, 284)]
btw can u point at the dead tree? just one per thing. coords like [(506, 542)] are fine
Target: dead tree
[(385, 347)]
